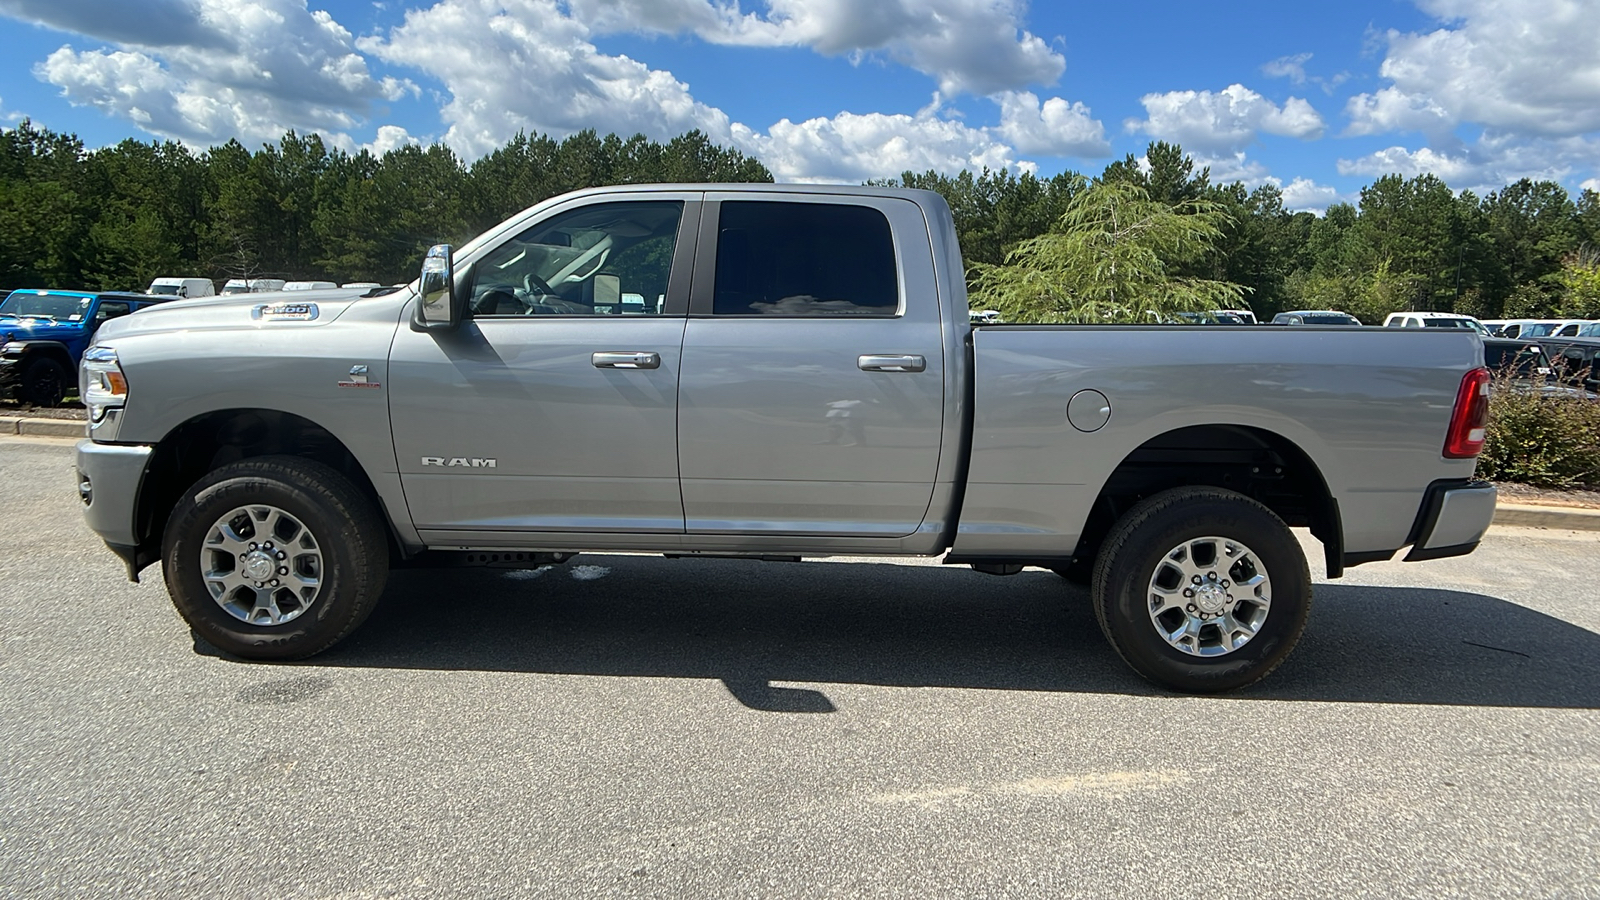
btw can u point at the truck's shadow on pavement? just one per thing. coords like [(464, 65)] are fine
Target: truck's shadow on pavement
[(750, 624)]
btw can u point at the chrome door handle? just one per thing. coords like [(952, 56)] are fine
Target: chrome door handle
[(905, 363), (626, 359)]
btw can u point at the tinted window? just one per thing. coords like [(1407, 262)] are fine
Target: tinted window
[(111, 309), (607, 259), (1446, 323), (1330, 320), (804, 259)]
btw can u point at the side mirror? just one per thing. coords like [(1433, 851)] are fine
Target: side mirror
[(438, 308)]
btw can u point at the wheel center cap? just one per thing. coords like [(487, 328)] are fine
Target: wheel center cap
[(257, 565), (1211, 598)]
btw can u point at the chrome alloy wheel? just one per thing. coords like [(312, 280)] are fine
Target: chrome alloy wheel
[(1209, 596), (262, 565)]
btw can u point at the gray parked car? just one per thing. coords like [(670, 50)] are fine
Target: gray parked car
[(1315, 317), (769, 371)]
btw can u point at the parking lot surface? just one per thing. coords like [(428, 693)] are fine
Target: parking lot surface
[(634, 726)]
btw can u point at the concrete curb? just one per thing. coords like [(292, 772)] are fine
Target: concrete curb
[(1547, 517), (73, 428)]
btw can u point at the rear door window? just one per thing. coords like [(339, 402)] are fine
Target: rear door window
[(804, 259)]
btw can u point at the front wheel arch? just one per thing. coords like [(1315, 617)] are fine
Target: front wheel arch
[(208, 441)]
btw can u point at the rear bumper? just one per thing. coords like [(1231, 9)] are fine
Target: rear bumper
[(1452, 520), (109, 477)]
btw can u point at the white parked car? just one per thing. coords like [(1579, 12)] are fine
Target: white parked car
[(1433, 320), (252, 285)]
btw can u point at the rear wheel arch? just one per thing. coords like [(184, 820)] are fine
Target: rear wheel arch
[(1257, 463)]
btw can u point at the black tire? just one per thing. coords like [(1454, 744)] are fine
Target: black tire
[(352, 561), (44, 382), (1079, 572), (1140, 541)]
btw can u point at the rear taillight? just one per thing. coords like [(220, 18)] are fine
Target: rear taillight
[(1469, 419)]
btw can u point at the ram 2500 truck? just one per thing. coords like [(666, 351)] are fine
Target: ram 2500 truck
[(764, 371)]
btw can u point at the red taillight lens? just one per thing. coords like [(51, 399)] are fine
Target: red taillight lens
[(1468, 420)]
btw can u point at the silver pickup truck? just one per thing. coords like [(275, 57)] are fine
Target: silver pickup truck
[(774, 372)]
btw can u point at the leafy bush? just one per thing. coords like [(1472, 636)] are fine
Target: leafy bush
[(1546, 438)]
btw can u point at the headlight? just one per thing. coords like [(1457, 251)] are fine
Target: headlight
[(101, 383)]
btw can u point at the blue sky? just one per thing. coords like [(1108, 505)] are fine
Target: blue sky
[(1318, 98)]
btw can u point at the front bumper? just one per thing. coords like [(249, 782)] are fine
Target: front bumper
[(1453, 518), (109, 477)]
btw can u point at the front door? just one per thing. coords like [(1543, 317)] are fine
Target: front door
[(812, 395), (554, 407)]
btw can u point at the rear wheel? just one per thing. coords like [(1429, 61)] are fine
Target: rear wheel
[(274, 558), (1202, 589), (44, 382)]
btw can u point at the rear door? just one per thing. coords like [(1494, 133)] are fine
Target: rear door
[(812, 394)]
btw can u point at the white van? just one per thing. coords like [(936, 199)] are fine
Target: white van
[(309, 285), (182, 287), (252, 285)]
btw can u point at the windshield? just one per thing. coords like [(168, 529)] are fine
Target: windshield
[(170, 290), (1537, 329), (61, 307), (1590, 330), (1330, 319), (1446, 323)]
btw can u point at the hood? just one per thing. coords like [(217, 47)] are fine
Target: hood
[(237, 312), (29, 329)]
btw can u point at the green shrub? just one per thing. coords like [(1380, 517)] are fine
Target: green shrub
[(1544, 439)]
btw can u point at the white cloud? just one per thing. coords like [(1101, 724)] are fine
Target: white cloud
[(1290, 67), (1590, 184), (853, 148), (1224, 121), (1305, 195), (1487, 164), (1056, 127), (390, 137), (972, 46), (1525, 66), (521, 65), (262, 67)]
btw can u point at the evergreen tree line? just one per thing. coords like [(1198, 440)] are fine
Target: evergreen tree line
[(117, 217)]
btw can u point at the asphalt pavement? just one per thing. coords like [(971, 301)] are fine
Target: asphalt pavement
[(633, 726)]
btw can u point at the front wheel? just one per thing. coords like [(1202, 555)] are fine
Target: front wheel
[(274, 558), (1202, 589), (44, 383)]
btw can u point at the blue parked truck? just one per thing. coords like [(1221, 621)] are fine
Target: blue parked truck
[(43, 334)]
